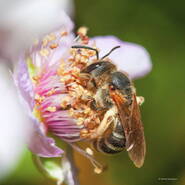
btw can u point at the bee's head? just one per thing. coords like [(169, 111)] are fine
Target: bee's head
[(99, 68)]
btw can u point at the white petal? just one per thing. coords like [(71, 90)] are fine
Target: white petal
[(131, 58), (13, 124), (21, 21)]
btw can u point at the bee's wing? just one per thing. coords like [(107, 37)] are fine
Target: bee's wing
[(133, 127), (136, 139)]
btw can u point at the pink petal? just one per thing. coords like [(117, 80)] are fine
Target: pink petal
[(58, 122), (131, 58), (63, 43), (42, 145), (39, 143)]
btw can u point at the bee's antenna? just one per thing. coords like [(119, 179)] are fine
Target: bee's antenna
[(110, 52), (86, 47)]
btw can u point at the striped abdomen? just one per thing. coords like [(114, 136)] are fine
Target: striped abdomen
[(112, 144)]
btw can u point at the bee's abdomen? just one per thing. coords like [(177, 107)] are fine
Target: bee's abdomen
[(112, 144)]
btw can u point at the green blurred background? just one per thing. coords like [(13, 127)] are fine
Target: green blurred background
[(160, 27)]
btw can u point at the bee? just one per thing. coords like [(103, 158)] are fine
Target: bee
[(114, 95)]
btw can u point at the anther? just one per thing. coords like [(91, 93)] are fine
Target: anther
[(97, 170), (89, 151)]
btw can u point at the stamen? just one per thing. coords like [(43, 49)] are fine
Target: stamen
[(64, 33), (82, 31), (97, 170), (51, 37), (44, 52), (98, 167), (140, 100), (39, 98), (89, 151), (53, 46), (80, 121), (45, 42), (51, 109), (84, 131)]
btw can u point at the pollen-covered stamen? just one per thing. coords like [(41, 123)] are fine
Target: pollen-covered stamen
[(63, 101), (50, 93), (140, 100), (82, 34), (98, 167), (79, 97)]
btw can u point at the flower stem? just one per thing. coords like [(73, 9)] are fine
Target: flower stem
[(74, 171)]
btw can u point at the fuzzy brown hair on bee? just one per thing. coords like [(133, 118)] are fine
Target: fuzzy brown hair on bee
[(115, 97)]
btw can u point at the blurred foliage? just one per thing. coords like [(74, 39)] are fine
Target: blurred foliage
[(160, 27)]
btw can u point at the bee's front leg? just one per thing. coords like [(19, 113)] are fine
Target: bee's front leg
[(108, 119), (87, 81), (96, 107), (101, 100)]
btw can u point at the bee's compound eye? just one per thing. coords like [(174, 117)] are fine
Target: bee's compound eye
[(120, 81)]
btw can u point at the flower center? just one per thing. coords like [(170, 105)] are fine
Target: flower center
[(62, 101)]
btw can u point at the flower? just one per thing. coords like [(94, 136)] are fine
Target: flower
[(48, 78), (17, 33)]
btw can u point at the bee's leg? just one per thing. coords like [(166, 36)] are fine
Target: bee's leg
[(95, 107), (84, 79), (87, 81), (105, 123), (106, 100), (101, 101)]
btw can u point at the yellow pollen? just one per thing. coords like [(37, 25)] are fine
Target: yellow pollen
[(51, 37), (84, 59), (65, 78), (44, 41), (65, 102), (53, 46), (37, 114), (82, 30), (61, 69), (97, 170), (39, 98), (88, 110), (52, 91), (84, 131), (89, 151), (78, 57), (80, 121), (35, 78), (51, 109), (44, 52), (71, 112), (140, 100), (62, 80), (64, 33), (91, 53), (72, 52)]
